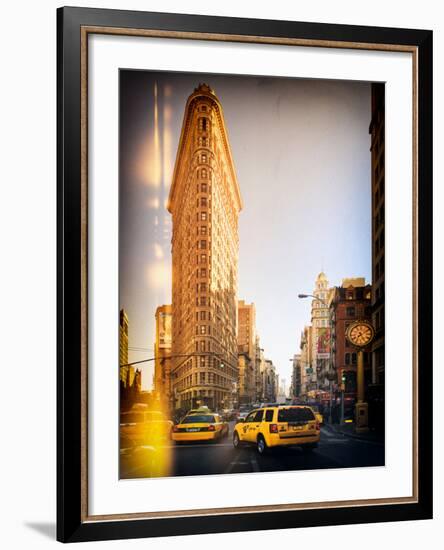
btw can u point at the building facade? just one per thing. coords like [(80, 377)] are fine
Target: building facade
[(269, 389), (259, 366), (320, 321), (246, 342), (377, 131), (351, 302), (205, 203), (308, 374), (296, 377), (127, 372), (162, 354)]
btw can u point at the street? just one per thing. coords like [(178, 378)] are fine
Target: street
[(335, 451)]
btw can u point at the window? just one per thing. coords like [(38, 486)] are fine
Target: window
[(198, 419), (259, 416), (269, 415), (203, 124), (203, 187), (203, 272), (203, 258), (203, 201), (203, 230), (203, 158), (203, 173), (202, 345), (203, 315), (202, 361), (203, 287), (353, 358), (203, 244), (351, 312), (299, 414), (203, 216), (347, 359), (203, 329)]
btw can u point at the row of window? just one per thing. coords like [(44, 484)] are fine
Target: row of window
[(203, 124), (203, 141), (203, 202), (203, 329), (202, 230), (202, 173), (203, 188), (352, 311)]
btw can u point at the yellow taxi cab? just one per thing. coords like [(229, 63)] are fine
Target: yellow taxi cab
[(200, 425), (278, 426), (141, 426), (319, 416)]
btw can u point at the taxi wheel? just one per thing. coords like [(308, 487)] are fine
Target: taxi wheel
[(261, 445), (236, 441)]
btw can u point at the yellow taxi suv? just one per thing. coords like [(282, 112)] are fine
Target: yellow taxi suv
[(198, 426), (278, 426)]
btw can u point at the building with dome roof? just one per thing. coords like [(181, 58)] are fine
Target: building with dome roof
[(321, 330)]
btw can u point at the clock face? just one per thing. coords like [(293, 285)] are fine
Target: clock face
[(360, 334)]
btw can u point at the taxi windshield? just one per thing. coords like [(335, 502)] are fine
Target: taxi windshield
[(198, 419)]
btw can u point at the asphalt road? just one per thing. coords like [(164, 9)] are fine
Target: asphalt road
[(334, 451)]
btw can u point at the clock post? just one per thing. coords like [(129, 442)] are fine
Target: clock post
[(360, 334), (361, 408)]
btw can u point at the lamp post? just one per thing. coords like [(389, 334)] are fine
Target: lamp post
[(331, 375)]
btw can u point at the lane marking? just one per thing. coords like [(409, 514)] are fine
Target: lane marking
[(236, 462)]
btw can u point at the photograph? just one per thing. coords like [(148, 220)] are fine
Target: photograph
[(251, 274)]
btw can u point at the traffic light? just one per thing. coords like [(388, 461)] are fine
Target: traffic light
[(343, 379)]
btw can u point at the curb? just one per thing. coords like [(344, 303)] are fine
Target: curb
[(355, 436)]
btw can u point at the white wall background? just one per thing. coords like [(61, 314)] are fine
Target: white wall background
[(27, 274)]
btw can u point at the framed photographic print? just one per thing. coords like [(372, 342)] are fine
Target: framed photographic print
[(244, 274)]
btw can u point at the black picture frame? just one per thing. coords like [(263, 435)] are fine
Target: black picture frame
[(71, 523)]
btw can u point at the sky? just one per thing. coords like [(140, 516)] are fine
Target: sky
[(301, 150)]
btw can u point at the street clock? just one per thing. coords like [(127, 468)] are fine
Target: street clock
[(360, 333)]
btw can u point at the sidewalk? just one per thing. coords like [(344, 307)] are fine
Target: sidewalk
[(349, 431)]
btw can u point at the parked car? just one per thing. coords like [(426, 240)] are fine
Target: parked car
[(278, 426), (318, 415), (140, 426)]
